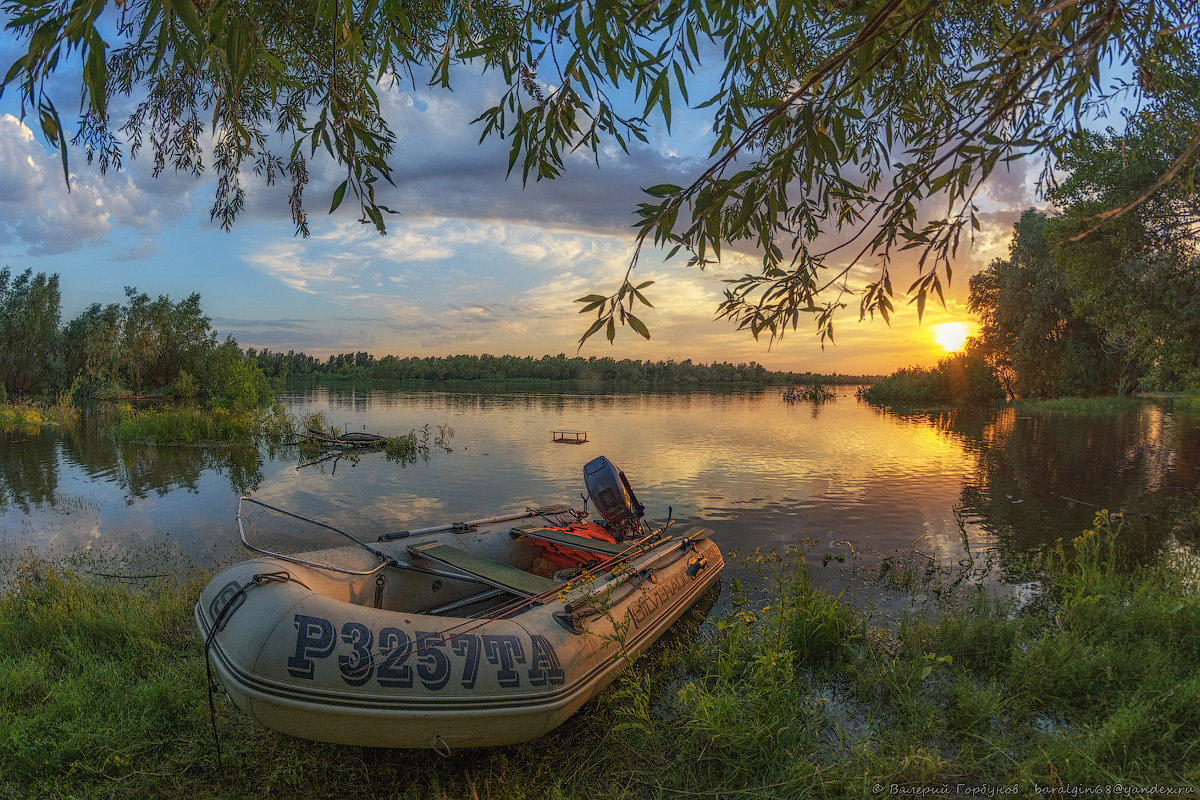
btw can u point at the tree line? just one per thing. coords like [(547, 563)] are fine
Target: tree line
[(142, 347), (487, 367)]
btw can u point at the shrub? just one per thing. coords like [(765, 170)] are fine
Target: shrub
[(235, 383), (961, 378)]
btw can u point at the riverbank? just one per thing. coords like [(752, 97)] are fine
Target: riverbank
[(793, 694), (888, 395)]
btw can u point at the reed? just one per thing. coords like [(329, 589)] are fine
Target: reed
[(204, 425), (32, 416), (184, 425)]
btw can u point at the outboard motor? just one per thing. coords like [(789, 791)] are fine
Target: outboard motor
[(610, 492)]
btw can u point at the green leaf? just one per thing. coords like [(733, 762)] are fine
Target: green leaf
[(638, 326), (187, 12), (338, 194), (53, 130), (595, 327), (662, 190)]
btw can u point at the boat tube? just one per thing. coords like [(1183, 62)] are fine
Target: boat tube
[(447, 638)]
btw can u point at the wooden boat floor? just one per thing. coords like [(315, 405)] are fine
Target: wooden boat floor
[(496, 573), (572, 540)]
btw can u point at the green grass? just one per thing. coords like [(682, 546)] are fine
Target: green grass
[(203, 425), (795, 694), (34, 416), (1082, 405), (184, 425)]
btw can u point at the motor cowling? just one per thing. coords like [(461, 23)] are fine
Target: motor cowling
[(611, 494)]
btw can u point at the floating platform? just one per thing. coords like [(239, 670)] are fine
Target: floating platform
[(569, 437)]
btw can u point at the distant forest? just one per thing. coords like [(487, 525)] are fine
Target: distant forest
[(364, 366), (158, 347)]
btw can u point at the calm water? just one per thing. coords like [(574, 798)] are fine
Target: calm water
[(759, 472)]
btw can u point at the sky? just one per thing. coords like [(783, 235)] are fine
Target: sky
[(474, 263)]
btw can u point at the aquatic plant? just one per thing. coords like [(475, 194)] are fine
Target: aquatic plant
[(34, 415), (815, 392), (183, 425)]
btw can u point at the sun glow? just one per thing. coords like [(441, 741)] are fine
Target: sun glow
[(952, 335)]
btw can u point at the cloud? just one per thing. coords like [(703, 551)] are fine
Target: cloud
[(442, 171), (147, 248), (41, 216)]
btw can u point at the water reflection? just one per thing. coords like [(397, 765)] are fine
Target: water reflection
[(760, 472), (31, 465), (1041, 475), (28, 469)]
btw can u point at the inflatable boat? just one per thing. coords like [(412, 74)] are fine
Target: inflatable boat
[(472, 634)]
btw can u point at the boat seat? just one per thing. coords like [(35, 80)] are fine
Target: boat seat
[(495, 573), (572, 540)]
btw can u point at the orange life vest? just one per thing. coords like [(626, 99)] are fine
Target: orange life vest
[(568, 557)]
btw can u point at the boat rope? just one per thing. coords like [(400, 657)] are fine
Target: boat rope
[(218, 623), (382, 556), (557, 511), (440, 747)]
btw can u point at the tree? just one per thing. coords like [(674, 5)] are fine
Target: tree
[(29, 310), (143, 346), (828, 115), (1136, 277), (237, 382), (90, 349), (1032, 336)]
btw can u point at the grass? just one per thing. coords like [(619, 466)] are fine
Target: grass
[(35, 415), (1082, 405), (183, 425), (203, 425), (793, 694), (815, 392)]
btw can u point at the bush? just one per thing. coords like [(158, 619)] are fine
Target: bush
[(235, 383), (815, 392), (961, 378), (184, 425), (185, 385)]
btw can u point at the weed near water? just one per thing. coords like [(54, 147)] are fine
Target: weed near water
[(183, 425), (195, 424), (1107, 404), (32, 416), (791, 693)]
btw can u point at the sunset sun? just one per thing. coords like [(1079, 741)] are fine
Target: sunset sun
[(952, 335)]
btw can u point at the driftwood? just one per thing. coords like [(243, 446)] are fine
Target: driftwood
[(340, 443), (346, 439)]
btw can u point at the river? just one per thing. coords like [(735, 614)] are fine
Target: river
[(836, 478)]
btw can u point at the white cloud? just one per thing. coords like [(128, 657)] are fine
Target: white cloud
[(39, 214)]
